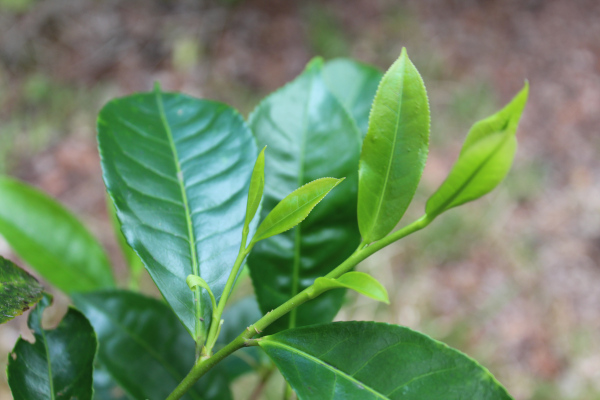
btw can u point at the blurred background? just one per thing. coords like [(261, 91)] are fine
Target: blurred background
[(513, 280)]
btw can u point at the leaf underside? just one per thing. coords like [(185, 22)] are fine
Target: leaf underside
[(178, 170), (310, 135), (368, 360)]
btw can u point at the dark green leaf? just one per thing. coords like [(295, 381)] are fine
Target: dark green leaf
[(360, 282), (18, 290), (238, 316), (257, 187), (144, 347), (51, 240), (394, 151), (354, 84), (294, 208), (133, 260), (105, 387), (369, 360), (309, 135), (484, 161), (59, 364), (178, 170)]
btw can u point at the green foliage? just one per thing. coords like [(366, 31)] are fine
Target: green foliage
[(194, 199), (59, 364), (368, 360), (51, 240), (394, 151), (19, 291)]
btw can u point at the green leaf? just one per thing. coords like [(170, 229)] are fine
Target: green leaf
[(133, 260), (355, 85), (144, 347), (257, 187), (194, 280), (59, 364), (105, 387), (369, 360), (394, 151), (178, 170), (51, 239), (19, 291), (360, 282), (484, 161), (295, 207), (310, 135)]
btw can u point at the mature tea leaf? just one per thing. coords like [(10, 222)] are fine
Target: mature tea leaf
[(355, 85), (133, 260), (59, 364), (295, 207), (144, 347), (19, 291), (257, 187), (368, 360), (51, 239), (310, 135), (178, 170), (394, 151), (484, 161), (360, 282)]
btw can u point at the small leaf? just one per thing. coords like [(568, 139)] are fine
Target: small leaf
[(257, 186), (484, 161), (144, 347), (51, 239), (19, 291), (194, 280), (369, 360), (355, 85), (59, 364), (394, 151), (360, 282), (294, 208)]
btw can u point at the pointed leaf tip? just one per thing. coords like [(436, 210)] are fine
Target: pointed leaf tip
[(360, 282)]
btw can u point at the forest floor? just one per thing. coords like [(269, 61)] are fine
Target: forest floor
[(513, 280)]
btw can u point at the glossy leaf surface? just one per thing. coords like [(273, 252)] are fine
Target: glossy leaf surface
[(295, 207), (355, 85), (394, 151), (133, 260), (257, 187), (59, 364), (368, 360), (178, 170), (360, 282), (310, 136), (144, 347), (484, 161), (19, 291), (51, 239)]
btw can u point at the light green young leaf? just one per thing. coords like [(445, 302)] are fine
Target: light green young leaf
[(294, 208), (369, 360), (484, 161), (394, 151), (19, 291), (360, 282), (257, 186), (194, 280), (51, 239)]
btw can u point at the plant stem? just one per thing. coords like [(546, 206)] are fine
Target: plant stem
[(245, 338)]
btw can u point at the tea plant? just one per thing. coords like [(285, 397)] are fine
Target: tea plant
[(196, 200)]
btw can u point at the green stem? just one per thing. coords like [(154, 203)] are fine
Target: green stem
[(245, 338)]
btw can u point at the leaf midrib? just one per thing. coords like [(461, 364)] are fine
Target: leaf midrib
[(43, 333), (393, 148), (324, 364), (187, 211)]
